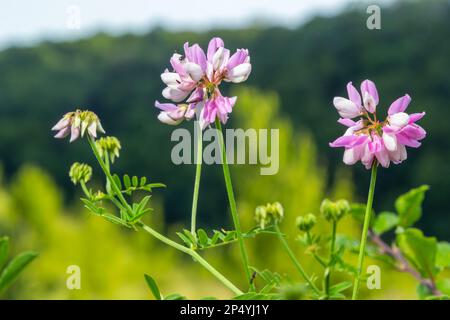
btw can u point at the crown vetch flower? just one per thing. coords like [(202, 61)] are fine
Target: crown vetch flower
[(368, 138), (195, 79), (76, 123)]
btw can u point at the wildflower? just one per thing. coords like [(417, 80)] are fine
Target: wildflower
[(80, 172), (109, 146), (195, 79), (368, 138), (306, 223), (76, 123)]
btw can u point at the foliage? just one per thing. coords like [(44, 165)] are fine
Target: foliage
[(11, 270)]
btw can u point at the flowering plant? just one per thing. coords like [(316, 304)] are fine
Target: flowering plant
[(193, 88)]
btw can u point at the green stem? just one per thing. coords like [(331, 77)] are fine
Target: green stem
[(296, 263), (198, 172), (105, 169), (156, 234), (329, 266), (231, 199), (85, 189), (367, 218), (194, 255)]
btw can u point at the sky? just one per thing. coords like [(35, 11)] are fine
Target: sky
[(25, 22)]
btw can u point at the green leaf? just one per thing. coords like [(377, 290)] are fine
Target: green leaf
[(135, 181), (116, 220), (443, 254), (409, 206), (384, 222), (15, 267), (4, 250), (444, 286), (143, 181), (202, 237), (338, 288), (116, 179), (185, 239), (151, 283), (127, 181), (419, 250), (215, 237), (175, 296), (358, 212)]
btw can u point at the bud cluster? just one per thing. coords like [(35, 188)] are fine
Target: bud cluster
[(306, 223), (109, 146), (80, 172), (334, 211), (268, 214)]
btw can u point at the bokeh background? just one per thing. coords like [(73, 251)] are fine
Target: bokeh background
[(303, 54)]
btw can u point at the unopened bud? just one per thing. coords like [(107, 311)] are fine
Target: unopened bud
[(80, 172), (306, 223)]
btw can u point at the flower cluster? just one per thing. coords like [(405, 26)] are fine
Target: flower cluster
[(370, 139), (109, 146), (306, 223), (334, 211), (76, 123), (268, 214), (195, 79), (80, 172)]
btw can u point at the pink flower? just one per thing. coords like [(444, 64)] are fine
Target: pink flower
[(196, 78), (368, 139), (76, 123)]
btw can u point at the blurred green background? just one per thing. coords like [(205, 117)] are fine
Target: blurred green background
[(296, 73)]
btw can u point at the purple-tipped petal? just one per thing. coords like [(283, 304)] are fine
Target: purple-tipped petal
[(416, 117), (74, 133), (353, 94), (213, 45), (346, 108), (64, 122), (399, 105), (239, 57), (369, 86), (405, 140), (195, 54), (165, 106), (346, 122), (64, 132)]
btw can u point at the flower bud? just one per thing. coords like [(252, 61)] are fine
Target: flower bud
[(80, 172), (109, 146), (276, 210), (261, 216), (306, 223), (334, 211)]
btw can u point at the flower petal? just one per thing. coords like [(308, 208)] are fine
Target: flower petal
[(399, 105), (346, 107)]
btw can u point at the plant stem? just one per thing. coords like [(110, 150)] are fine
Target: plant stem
[(193, 254), (329, 266), (296, 263), (234, 213), (198, 171), (367, 218), (156, 234), (105, 169), (402, 264)]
